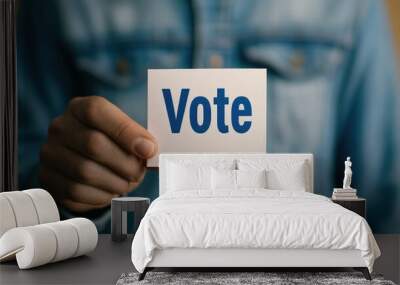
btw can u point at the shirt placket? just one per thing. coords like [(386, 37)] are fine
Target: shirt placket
[(213, 39)]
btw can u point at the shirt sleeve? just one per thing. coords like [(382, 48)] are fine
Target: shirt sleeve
[(368, 126)]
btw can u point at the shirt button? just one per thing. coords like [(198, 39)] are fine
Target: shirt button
[(297, 61), (216, 61), (122, 66)]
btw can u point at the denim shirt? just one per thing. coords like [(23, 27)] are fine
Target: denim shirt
[(331, 77)]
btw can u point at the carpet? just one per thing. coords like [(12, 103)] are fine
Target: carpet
[(232, 278)]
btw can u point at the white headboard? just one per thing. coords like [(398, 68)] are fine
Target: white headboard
[(164, 158)]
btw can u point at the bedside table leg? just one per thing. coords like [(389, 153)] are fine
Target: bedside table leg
[(116, 221), (140, 211)]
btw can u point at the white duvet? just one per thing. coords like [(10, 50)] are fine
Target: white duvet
[(250, 218)]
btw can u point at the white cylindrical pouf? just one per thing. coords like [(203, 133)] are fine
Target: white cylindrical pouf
[(67, 239), (40, 244), (7, 218), (23, 208), (87, 235), (34, 246), (45, 205)]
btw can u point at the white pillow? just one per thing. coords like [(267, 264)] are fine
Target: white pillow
[(251, 178), (186, 174), (282, 174), (289, 179), (223, 179), (181, 177)]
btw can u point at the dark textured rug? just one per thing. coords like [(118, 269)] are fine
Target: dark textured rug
[(230, 278)]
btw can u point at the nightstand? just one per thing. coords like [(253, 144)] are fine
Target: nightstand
[(119, 208), (358, 205)]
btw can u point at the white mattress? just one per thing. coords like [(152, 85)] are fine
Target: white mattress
[(251, 218)]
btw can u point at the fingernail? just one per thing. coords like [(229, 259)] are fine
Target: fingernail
[(143, 147)]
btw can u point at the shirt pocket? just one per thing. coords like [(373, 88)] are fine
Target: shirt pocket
[(302, 86), (294, 61), (120, 75), (112, 70)]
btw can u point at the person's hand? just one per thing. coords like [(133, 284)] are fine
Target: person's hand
[(94, 152)]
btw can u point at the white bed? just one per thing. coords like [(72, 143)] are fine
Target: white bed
[(248, 227)]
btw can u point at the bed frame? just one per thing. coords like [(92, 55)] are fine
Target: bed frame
[(246, 259)]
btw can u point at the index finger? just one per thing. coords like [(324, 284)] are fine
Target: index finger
[(99, 113)]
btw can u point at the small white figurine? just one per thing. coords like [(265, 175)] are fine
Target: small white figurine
[(347, 174)]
